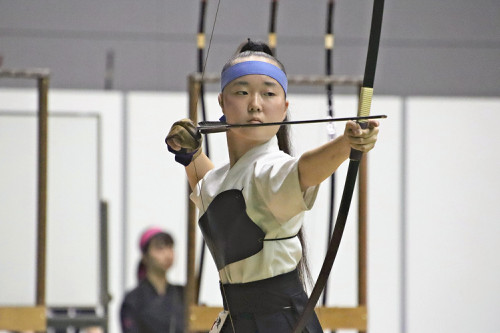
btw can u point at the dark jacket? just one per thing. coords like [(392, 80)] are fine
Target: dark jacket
[(145, 311)]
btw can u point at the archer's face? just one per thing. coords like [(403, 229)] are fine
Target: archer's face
[(254, 99)]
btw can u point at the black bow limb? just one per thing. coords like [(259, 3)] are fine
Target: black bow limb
[(355, 157)]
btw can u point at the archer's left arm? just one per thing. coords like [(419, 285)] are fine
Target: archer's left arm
[(318, 164)]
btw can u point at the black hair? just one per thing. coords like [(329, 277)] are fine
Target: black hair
[(250, 48), (163, 237), (257, 48)]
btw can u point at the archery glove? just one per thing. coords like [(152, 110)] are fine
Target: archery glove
[(184, 134)]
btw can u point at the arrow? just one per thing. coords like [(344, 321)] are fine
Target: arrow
[(208, 127)]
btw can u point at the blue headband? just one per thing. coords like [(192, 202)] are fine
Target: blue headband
[(253, 67)]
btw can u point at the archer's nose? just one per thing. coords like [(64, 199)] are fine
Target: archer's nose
[(255, 104)]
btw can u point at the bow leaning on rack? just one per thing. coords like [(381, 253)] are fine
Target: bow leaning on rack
[(272, 40)]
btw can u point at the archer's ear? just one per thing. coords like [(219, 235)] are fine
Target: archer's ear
[(219, 98), (286, 110)]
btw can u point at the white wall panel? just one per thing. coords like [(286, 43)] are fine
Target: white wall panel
[(453, 267), (384, 219), (18, 209), (72, 208), (157, 186), (109, 107)]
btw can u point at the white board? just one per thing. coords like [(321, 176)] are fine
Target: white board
[(72, 209)]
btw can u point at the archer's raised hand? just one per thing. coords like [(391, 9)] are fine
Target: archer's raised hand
[(184, 140), (362, 139)]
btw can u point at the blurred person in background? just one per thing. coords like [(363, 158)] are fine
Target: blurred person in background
[(154, 305)]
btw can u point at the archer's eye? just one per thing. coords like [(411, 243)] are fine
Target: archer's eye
[(241, 92), (269, 93)]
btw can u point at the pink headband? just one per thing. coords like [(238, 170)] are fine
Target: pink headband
[(147, 235)]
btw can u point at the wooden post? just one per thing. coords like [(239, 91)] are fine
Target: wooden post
[(194, 89), (20, 318), (43, 83), (362, 232)]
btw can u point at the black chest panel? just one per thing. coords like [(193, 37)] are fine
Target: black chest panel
[(228, 231)]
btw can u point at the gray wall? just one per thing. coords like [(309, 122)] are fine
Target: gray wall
[(446, 47)]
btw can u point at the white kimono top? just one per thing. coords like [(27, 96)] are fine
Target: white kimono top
[(269, 181)]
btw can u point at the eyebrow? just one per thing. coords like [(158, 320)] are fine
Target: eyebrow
[(245, 83), (240, 83)]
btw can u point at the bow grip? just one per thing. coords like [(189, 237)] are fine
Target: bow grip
[(365, 103)]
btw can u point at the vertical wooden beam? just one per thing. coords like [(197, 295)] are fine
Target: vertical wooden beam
[(104, 295), (34, 317), (362, 231), (43, 83), (194, 90)]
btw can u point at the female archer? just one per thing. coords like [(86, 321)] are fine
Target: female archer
[(252, 208)]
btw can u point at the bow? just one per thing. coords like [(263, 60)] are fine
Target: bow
[(329, 42), (201, 69), (355, 157)]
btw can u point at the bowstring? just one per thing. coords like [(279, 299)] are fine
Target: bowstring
[(199, 93), (194, 161)]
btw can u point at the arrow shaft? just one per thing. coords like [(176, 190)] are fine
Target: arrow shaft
[(206, 127)]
